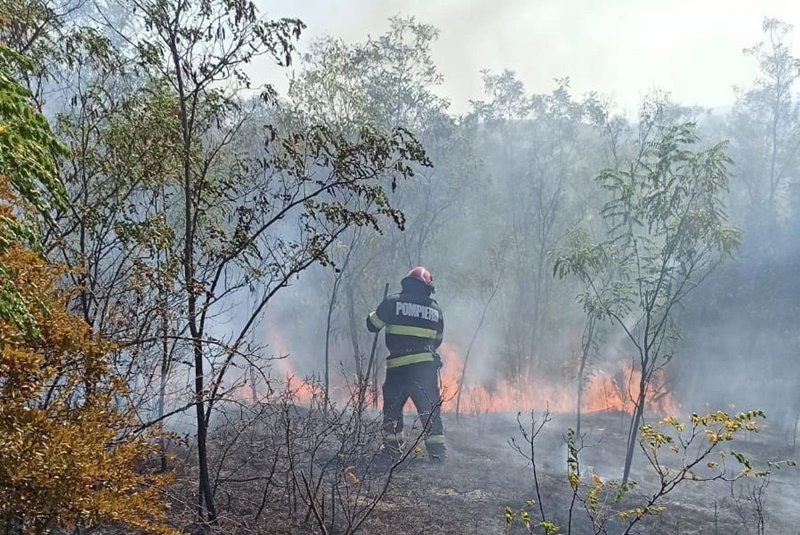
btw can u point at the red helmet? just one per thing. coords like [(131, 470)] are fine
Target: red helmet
[(422, 274)]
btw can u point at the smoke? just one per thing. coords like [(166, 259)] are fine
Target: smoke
[(728, 358), (623, 49)]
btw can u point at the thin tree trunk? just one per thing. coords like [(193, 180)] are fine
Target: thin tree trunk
[(337, 279), (373, 363), (331, 305), (469, 350), (162, 388), (253, 389), (633, 432), (354, 327), (205, 497), (165, 356), (586, 345)]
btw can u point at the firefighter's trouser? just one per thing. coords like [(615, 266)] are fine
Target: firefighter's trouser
[(420, 383)]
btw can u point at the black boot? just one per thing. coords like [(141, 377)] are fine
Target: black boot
[(437, 453)]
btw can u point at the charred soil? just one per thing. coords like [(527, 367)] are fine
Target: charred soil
[(484, 475)]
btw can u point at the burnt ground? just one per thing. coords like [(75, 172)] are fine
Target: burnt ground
[(484, 474)]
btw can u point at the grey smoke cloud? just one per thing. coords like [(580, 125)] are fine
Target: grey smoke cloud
[(621, 48)]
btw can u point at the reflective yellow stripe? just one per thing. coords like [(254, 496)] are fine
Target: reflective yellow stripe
[(395, 437), (435, 439), (405, 360), (408, 330), (376, 321)]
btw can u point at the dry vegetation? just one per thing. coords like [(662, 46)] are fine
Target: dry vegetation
[(483, 476)]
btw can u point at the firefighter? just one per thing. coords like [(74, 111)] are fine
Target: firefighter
[(414, 327)]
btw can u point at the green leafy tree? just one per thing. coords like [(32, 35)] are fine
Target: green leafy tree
[(118, 237), (27, 163), (191, 195), (252, 216), (667, 231), (67, 456)]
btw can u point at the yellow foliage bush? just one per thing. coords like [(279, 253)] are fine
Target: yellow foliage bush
[(68, 456)]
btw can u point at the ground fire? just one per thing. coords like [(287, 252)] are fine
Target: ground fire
[(603, 392), (606, 390)]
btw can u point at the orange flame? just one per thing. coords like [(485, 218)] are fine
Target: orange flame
[(602, 392), (301, 390)]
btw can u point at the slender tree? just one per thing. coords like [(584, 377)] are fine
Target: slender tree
[(668, 232)]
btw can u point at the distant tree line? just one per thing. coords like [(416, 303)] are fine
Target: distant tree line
[(184, 197)]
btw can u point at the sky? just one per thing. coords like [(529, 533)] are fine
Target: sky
[(623, 49)]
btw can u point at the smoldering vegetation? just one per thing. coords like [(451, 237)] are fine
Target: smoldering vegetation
[(607, 270)]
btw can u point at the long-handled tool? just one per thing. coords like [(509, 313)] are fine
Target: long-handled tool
[(372, 362)]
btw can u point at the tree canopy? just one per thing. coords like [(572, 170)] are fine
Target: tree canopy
[(68, 456)]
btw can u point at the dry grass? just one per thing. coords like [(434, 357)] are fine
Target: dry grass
[(483, 474)]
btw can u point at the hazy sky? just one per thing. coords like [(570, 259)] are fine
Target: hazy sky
[(621, 48)]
